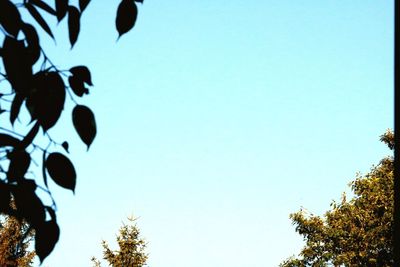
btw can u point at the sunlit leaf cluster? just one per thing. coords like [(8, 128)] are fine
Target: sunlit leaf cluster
[(15, 242), (355, 232), (32, 86)]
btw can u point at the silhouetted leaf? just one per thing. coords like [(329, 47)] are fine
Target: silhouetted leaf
[(17, 64), (46, 237), (28, 204), (61, 9), (77, 86), (46, 102), (5, 197), (65, 145), (28, 139), (32, 38), (84, 123), (83, 4), (19, 164), (126, 16), (44, 6), (8, 140), (74, 17), (10, 18), (82, 73), (39, 19), (15, 107), (44, 168), (61, 170), (139, 1), (80, 76)]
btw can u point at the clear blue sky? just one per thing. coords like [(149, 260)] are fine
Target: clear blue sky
[(217, 119)]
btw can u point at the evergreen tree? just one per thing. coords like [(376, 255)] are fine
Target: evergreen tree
[(131, 251)]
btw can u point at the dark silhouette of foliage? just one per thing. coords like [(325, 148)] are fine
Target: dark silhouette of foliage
[(357, 232), (131, 251), (31, 82)]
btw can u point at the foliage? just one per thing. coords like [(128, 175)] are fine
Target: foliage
[(357, 232), (131, 251), (33, 87), (14, 243)]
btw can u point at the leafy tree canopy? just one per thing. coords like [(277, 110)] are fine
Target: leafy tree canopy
[(15, 243), (355, 232), (131, 252), (32, 86)]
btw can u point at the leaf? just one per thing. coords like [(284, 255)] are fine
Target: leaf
[(84, 123), (19, 165), (17, 64), (10, 18), (61, 170), (65, 145), (28, 204), (15, 107), (73, 24), (32, 38), (61, 9), (139, 1), (83, 4), (82, 73), (5, 197), (77, 86), (44, 169), (126, 16), (44, 6), (46, 237), (8, 140), (39, 19), (46, 102), (30, 136)]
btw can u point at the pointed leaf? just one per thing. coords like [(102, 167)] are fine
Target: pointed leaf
[(44, 6), (74, 17), (17, 64), (61, 170), (65, 145), (8, 140), (39, 19), (126, 16), (46, 237), (84, 123), (32, 38), (10, 18), (28, 204), (44, 169), (46, 102), (83, 4), (28, 139), (15, 107), (61, 9)]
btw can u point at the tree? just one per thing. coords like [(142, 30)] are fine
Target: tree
[(131, 251), (355, 232), (34, 87), (14, 243)]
